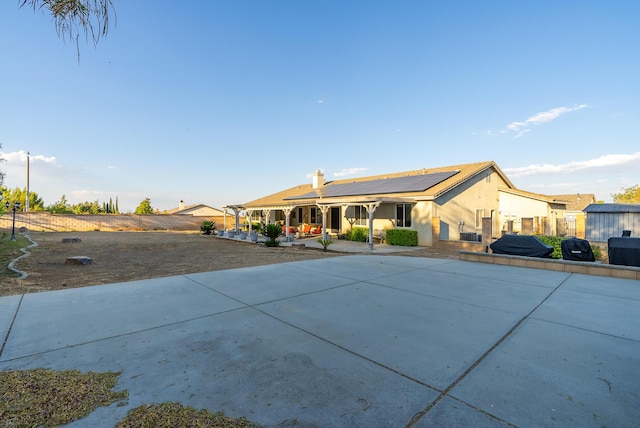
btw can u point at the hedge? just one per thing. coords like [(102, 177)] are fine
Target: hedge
[(403, 237)]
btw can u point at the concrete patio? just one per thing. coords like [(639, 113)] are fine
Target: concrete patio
[(354, 341)]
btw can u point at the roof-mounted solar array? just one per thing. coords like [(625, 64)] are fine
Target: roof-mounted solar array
[(407, 184)]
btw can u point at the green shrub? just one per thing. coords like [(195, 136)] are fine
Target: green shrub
[(325, 243), (358, 234), (272, 231), (256, 226), (403, 237), (555, 242), (206, 227)]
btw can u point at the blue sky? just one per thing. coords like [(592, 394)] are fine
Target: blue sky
[(222, 102)]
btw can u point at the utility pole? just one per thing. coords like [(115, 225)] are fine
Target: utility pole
[(26, 202)]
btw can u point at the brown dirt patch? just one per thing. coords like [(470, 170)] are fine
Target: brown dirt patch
[(129, 256)]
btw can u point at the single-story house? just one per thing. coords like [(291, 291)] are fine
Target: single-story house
[(529, 213), (605, 221), (574, 223), (196, 210), (457, 197)]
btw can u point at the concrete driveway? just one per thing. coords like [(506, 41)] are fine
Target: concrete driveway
[(354, 341)]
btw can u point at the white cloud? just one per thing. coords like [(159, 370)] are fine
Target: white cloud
[(600, 162), (520, 128), (21, 157), (349, 171)]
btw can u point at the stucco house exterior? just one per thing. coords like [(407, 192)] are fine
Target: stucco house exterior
[(574, 222), (529, 213), (196, 210), (457, 198)]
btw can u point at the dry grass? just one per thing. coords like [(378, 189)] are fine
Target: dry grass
[(129, 256), (40, 397), (170, 415)]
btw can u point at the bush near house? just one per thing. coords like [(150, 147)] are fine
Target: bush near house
[(358, 234), (256, 226), (272, 231), (403, 237), (207, 226), (556, 242)]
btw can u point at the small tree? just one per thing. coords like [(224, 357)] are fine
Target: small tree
[(630, 195), (88, 208), (272, 231), (20, 195), (144, 207), (60, 207), (207, 226)]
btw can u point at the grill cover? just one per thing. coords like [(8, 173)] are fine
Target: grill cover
[(522, 245), (577, 249), (624, 251)]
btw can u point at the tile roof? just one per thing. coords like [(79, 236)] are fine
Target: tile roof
[(577, 201)]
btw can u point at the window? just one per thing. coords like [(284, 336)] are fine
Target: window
[(479, 215), (403, 215), (361, 216), (314, 215)]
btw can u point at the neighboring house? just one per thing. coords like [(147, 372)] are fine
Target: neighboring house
[(529, 213), (196, 210), (574, 223), (457, 198), (605, 221)]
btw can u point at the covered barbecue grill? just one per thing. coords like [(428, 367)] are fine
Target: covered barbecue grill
[(522, 245), (624, 251), (577, 250)]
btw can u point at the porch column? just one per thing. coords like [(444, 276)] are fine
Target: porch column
[(249, 213), (236, 211), (324, 210), (371, 209), (224, 217), (266, 214), (287, 213)]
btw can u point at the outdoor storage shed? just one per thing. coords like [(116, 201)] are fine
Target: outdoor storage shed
[(609, 220)]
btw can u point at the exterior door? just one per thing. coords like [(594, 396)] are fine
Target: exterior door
[(334, 219)]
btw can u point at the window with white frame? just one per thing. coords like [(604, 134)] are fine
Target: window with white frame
[(403, 215), (361, 216)]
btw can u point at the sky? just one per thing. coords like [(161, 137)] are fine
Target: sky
[(222, 102)]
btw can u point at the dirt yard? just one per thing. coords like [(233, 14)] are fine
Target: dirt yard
[(128, 256)]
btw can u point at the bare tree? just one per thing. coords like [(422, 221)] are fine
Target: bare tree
[(74, 17)]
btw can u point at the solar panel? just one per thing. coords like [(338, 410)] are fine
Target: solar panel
[(407, 184)]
